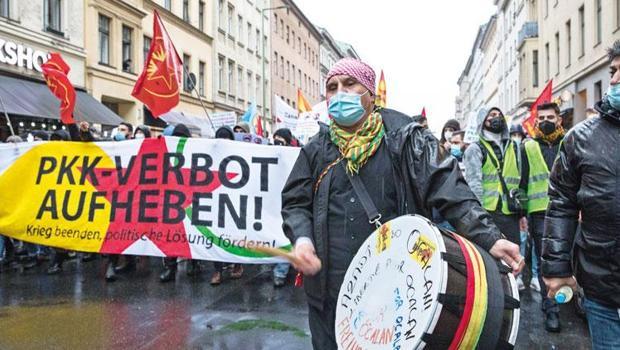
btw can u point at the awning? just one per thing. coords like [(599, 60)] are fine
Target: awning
[(197, 125), (32, 99)]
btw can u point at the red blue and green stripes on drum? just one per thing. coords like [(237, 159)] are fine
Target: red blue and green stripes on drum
[(476, 298)]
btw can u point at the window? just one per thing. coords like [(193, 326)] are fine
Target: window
[(220, 8), (220, 73), (231, 10), (146, 47), (239, 28), (293, 79), (305, 51), (547, 62), (546, 8), (201, 16), (276, 20), (299, 77), (168, 5), (598, 91), (293, 34), (582, 32), (282, 67), (282, 27), (127, 49), (249, 36), (258, 89), (275, 60), (257, 41), (568, 43), (52, 16), (186, 10), (617, 13), (288, 71), (535, 68), (104, 39), (299, 45), (231, 72), (186, 79), (4, 8), (250, 87), (598, 22), (239, 82), (201, 78), (557, 53), (287, 34)]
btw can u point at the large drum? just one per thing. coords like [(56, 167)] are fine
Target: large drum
[(413, 285)]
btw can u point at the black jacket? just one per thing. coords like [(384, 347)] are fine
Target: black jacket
[(586, 178), (423, 183)]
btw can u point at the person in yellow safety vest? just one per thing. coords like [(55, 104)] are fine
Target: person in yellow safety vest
[(538, 155), (493, 157)]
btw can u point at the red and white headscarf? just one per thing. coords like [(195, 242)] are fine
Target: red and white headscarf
[(357, 69)]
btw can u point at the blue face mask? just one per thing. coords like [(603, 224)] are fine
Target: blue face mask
[(346, 108), (456, 151), (613, 96), (119, 137)]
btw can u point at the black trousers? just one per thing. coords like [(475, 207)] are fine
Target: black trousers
[(322, 326), (508, 225), (537, 229)]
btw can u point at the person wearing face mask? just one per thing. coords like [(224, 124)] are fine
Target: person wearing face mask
[(448, 129), (584, 184), (492, 171), (142, 132), (457, 147), (538, 155), (397, 164), (516, 133)]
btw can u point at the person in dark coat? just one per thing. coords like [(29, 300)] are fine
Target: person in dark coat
[(584, 183), (398, 165)]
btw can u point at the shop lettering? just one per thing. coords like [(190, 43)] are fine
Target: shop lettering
[(21, 56)]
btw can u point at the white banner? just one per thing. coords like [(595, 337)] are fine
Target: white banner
[(224, 119), (193, 198), (286, 116)]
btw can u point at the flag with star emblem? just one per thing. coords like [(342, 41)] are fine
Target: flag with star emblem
[(158, 85), (55, 71), (381, 100)]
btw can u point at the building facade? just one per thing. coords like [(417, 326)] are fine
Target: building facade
[(117, 40), (29, 31), (295, 48), (540, 41), (241, 57), (329, 54)]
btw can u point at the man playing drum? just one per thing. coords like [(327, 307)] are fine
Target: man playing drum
[(396, 161)]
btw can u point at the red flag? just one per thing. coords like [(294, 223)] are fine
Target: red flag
[(259, 127), (55, 71), (424, 112), (545, 97), (158, 85)]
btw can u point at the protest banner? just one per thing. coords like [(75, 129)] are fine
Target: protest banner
[(193, 198), (224, 119)]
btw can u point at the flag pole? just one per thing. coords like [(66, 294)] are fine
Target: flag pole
[(199, 98), (6, 115)]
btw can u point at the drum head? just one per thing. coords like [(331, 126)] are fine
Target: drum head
[(389, 294)]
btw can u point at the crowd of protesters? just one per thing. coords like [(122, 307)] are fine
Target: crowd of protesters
[(552, 192)]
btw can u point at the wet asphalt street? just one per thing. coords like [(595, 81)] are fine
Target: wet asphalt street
[(77, 309)]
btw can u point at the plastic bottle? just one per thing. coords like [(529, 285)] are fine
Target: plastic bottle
[(564, 295)]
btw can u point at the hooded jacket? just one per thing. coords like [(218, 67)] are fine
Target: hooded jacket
[(584, 179), (475, 155), (421, 184), (225, 132)]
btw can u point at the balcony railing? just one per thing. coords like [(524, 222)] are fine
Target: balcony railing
[(529, 30)]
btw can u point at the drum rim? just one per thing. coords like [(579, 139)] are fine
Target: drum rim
[(516, 313)]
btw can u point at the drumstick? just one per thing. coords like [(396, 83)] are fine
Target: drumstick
[(277, 252)]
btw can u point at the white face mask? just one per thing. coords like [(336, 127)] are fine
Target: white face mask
[(139, 136), (447, 135)]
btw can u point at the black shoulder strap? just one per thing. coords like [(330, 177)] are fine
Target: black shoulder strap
[(373, 214)]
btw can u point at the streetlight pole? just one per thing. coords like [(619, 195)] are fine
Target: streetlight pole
[(262, 25)]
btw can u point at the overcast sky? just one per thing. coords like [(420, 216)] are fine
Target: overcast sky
[(421, 45)]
